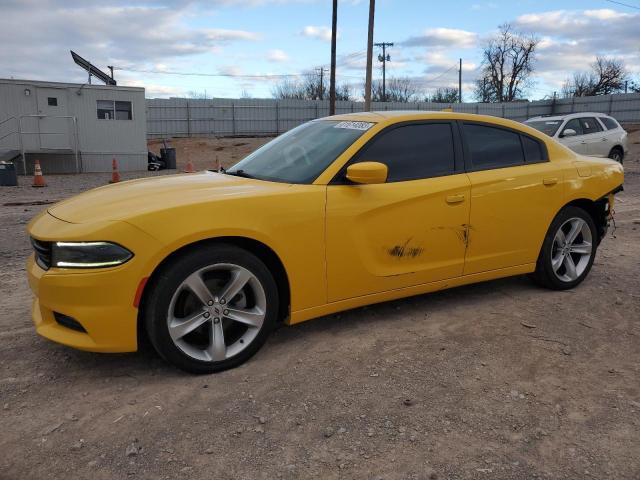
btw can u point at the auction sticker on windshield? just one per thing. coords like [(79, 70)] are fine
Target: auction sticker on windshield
[(354, 125)]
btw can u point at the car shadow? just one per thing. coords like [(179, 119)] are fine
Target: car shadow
[(146, 362)]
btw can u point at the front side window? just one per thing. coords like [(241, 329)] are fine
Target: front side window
[(590, 125), (301, 154), (110, 110), (491, 147), (573, 124), (610, 123), (413, 152)]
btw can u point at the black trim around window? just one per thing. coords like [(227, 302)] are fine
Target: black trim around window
[(469, 167), (340, 177)]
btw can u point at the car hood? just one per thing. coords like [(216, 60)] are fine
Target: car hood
[(125, 200)]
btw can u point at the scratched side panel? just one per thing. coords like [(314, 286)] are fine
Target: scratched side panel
[(394, 235)]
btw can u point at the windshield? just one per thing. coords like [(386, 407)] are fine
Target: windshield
[(301, 154), (550, 127)]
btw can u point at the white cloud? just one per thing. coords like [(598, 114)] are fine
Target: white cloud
[(318, 32), (277, 56), (36, 36), (443, 37)]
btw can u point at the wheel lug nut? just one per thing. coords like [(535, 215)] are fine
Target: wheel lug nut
[(226, 312), (206, 314), (210, 302), (222, 301), (216, 320)]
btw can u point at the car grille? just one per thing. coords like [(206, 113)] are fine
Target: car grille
[(43, 253)]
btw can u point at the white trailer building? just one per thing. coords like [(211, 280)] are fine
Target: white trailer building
[(72, 127)]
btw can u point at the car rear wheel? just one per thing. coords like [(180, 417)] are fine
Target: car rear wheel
[(211, 309), (568, 250), (616, 154)]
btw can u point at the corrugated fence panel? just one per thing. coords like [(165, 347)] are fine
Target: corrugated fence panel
[(222, 117)]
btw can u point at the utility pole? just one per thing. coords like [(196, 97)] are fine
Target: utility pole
[(321, 87), (384, 58), (332, 80), (367, 82), (460, 83)]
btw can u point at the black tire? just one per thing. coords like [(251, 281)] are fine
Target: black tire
[(617, 154), (544, 274), (167, 284)]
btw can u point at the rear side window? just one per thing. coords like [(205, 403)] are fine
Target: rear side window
[(412, 152), (491, 147), (533, 150), (589, 125), (610, 123)]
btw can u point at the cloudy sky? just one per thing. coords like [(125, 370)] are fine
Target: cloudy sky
[(245, 45)]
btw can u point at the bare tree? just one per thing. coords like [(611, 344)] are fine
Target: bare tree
[(483, 92), (197, 95), (607, 76), (507, 64), (398, 89), (444, 95), (309, 87), (245, 94), (343, 92), (288, 88), (314, 88)]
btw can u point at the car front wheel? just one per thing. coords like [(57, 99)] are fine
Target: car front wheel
[(211, 308), (568, 250)]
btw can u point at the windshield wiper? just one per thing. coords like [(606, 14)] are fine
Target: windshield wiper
[(239, 173)]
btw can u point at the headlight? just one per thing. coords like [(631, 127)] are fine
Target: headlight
[(88, 254)]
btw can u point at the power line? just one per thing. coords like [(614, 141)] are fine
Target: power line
[(431, 80), (623, 4)]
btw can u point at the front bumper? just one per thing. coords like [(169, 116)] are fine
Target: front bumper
[(100, 300)]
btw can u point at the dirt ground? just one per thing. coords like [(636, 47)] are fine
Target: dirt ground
[(495, 380)]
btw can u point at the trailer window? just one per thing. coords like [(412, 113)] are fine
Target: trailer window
[(110, 110), (123, 111)]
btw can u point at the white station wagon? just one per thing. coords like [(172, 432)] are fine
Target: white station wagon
[(586, 133)]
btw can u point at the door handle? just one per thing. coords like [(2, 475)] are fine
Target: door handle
[(549, 181), (603, 139), (454, 199)]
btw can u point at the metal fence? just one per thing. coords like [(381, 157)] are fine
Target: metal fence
[(182, 117)]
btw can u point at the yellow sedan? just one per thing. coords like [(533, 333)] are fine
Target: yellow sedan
[(337, 213)]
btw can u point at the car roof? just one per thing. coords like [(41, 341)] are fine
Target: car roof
[(407, 115), (568, 116)]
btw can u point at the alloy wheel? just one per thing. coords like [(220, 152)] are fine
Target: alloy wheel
[(216, 312), (571, 249)]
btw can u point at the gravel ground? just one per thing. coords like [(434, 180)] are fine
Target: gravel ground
[(495, 380)]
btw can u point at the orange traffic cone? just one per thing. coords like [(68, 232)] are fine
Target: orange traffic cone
[(115, 175), (189, 168), (38, 179)]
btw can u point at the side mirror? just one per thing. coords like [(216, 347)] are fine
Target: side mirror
[(367, 172), (568, 132)]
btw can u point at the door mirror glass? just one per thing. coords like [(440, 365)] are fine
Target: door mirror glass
[(569, 132), (367, 172)]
